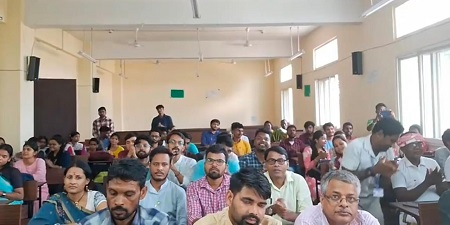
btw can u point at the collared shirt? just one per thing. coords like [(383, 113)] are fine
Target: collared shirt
[(294, 191), (440, 155), (252, 161), (203, 200), (242, 147), (185, 166), (143, 217), (209, 138), (294, 149), (314, 216), (306, 138), (100, 122), (170, 199), (359, 156), (222, 218), (165, 120)]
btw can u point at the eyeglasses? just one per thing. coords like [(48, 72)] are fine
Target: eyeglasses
[(212, 161), (336, 199), (414, 145), (142, 146), (273, 161), (171, 141)]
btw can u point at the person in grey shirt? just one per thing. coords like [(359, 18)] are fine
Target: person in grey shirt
[(441, 154)]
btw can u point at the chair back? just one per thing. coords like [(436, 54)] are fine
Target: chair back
[(83, 158), (429, 213), (55, 176), (30, 189), (11, 214)]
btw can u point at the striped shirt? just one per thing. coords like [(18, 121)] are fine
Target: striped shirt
[(294, 149), (143, 217)]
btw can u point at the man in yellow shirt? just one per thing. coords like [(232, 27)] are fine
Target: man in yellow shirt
[(246, 200), (240, 147)]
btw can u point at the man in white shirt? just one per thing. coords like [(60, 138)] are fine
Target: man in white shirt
[(371, 160), (290, 192), (163, 194), (441, 154), (418, 178), (182, 167)]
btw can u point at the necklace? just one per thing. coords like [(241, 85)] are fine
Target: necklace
[(77, 202)]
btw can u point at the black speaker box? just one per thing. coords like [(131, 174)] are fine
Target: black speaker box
[(95, 85), (357, 63), (299, 81), (33, 68)]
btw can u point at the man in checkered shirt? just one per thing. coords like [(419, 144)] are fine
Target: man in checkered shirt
[(100, 122)]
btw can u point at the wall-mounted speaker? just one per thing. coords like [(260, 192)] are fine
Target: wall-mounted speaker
[(357, 63), (95, 85), (33, 68), (299, 81)]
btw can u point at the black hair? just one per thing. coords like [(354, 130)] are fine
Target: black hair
[(130, 135), (161, 129), (60, 140), (339, 132), (237, 125), (252, 179), (291, 126), (326, 125), (8, 148), (186, 135), (214, 121), (83, 166), (32, 144), (33, 139), (42, 137), (159, 107), (347, 124), (267, 122), (128, 170), (389, 126), (217, 149), (74, 133), (316, 136), (224, 139), (417, 127), (175, 133), (154, 130), (2, 139), (143, 138), (262, 130), (446, 136), (105, 129), (339, 136), (379, 105), (94, 139), (309, 123), (115, 134), (278, 149), (101, 108), (161, 150)]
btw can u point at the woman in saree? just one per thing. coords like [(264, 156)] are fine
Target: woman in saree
[(11, 183), (75, 203)]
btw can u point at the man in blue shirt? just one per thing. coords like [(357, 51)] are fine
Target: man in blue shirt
[(209, 137), (162, 120)]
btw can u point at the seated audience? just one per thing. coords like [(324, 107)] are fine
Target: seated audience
[(256, 158), (155, 137), (225, 139), (240, 146), (163, 136), (339, 143), (182, 166), (42, 142), (328, 129), (418, 178), (415, 128), (378, 109), (280, 133), (11, 183), (294, 147), (96, 152), (268, 126), (209, 137), (57, 157), (191, 148), (130, 151), (290, 193), (2, 141), (347, 128), (114, 148), (208, 195), (246, 201), (163, 194), (332, 210), (74, 147), (30, 164), (315, 156), (125, 188), (306, 137), (75, 203), (104, 137), (441, 154), (371, 159)]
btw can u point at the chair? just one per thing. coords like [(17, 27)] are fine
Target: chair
[(429, 213), (83, 158), (55, 176), (30, 189), (11, 214)]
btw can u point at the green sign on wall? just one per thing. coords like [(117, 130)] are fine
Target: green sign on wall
[(176, 93), (307, 90)]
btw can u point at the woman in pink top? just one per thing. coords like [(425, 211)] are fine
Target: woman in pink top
[(34, 166)]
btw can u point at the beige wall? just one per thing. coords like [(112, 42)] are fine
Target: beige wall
[(245, 94)]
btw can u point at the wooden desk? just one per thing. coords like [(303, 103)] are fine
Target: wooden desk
[(428, 210), (410, 210)]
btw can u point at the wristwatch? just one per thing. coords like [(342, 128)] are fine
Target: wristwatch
[(269, 211), (3, 195)]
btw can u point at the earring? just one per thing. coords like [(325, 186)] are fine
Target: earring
[(87, 188)]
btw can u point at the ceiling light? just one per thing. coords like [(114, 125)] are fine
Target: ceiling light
[(376, 7), (298, 54), (268, 74), (87, 56), (194, 4)]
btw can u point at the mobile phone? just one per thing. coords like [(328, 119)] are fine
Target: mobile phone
[(386, 114)]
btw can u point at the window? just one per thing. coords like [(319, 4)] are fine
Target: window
[(287, 105), (422, 92), (326, 53), (286, 73), (414, 15), (327, 101)]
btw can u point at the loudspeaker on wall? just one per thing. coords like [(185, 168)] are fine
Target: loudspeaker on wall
[(33, 68), (299, 81), (95, 85), (357, 63)]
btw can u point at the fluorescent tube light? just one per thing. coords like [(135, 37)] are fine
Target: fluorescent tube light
[(194, 4), (268, 74), (296, 55), (87, 56), (376, 7)]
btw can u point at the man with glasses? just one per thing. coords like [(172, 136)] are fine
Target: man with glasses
[(182, 166), (155, 138), (290, 192), (338, 203)]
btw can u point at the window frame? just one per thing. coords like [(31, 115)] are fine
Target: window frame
[(315, 67), (330, 109), (289, 115), (291, 73)]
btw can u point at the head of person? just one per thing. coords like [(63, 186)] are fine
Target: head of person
[(347, 127), (125, 188), (114, 139), (162, 133), (380, 107), (214, 124), (155, 137), (77, 177), (2, 141), (416, 128), (6, 153), (187, 138), (160, 109), (319, 139), (309, 127), (102, 112), (29, 150), (42, 142), (142, 146), (216, 159), (446, 138), (130, 138), (284, 123), (237, 129), (246, 199), (175, 143), (75, 137), (104, 131), (340, 196), (262, 140), (268, 126), (93, 145), (412, 145), (328, 128), (56, 143), (385, 133), (339, 144), (276, 161), (225, 139), (339, 132), (291, 131), (160, 162)]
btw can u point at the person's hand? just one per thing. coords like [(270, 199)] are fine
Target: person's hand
[(385, 167), (160, 125), (322, 154), (278, 208), (433, 177)]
